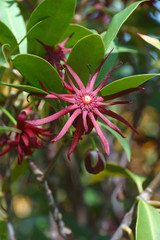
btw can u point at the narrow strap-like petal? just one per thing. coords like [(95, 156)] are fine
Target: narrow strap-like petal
[(118, 117), (99, 132), (122, 93), (20, 154), (62, 44), (52, 117), (112, 103), (67, 125), (104, 81), (84, 115), (109, 123), (97, 72), (71, 83), (89, 80), (66, 85), (25, 139), (75, 76), (77, 135), (5, 150)]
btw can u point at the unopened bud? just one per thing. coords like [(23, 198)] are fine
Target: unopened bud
[(94, 161)]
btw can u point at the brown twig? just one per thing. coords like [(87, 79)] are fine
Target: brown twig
[(57, 216), (8, 197), (145, 195)]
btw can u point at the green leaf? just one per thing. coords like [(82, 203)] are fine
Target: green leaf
[(139, 180), (36, 69), (11, 16), (78, 33), (148, 222), (25, 88), (6, 36), (122, 140), (117, 22), (113, 169), (153, 41), (82, 55), (3, 59), (126, 83), (3, 229), (57, 15)]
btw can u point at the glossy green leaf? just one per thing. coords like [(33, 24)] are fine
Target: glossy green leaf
[(25, 88), (117, 22), (148, 222), (113, 169), (3, 229), (126, 83), (139, 180), (3, 59), (11, 16), (35, 69), (123, 141), (77, 33), (6, 36), (57, 15), (88, 51), (153, 41)]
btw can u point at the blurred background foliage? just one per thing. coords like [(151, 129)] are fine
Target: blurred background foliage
[(93, 206)]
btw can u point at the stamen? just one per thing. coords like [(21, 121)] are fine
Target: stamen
[(86, 99)]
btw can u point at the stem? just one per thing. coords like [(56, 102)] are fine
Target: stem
[(57, 216), (93, 143), (55, 212), (154, 203), (145, 195), (126, 221), (148, 192), (8, 197), (129, 231)]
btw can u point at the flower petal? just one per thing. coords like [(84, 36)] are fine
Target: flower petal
[(71, 83), (25, 139), (118, 117), (122, 93), (97, 71), (100, 134), (84, 115), (104, 81), (77, 135), (67, 125), (77, 79), (5, 150), (109, 123), (52, 117), (112, 103)]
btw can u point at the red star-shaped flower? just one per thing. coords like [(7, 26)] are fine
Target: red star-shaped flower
[(84, 107), (26, 139), (55, 54)]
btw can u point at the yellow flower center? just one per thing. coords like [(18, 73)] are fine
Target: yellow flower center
[(87, 99)]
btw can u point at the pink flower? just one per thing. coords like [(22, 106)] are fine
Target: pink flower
[(94, 161), (84, 107), (55, 54), (26, 139)]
